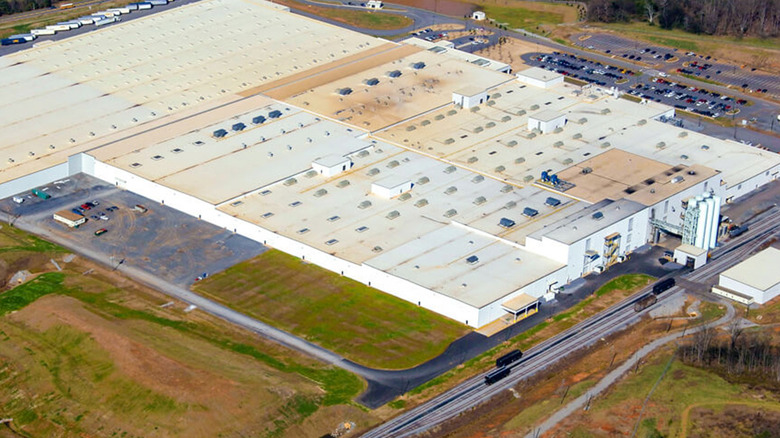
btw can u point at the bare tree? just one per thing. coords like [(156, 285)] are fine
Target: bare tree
[(650, 11)]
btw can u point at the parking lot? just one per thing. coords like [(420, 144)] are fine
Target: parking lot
[(679, 95), (165, 242), (669, 60)]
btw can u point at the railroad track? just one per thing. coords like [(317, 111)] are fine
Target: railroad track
[(474, 392)]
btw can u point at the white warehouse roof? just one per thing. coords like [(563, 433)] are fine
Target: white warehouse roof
[(759, 271)]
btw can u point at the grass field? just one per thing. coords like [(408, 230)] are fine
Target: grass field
[(526, 14), (96, 355), (604, 297), (361, 323), (681, 391), (353, 17)]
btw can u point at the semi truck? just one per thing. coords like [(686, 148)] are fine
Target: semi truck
[(11, 41), (41, 194)]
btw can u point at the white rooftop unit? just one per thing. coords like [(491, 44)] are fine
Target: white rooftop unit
[(469, 96), (539, 77), (391, 186), (546, 121), (478, 15), (331, 165)]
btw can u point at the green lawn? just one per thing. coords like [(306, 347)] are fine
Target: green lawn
[(340, 314), (625, 283), (520, 17)]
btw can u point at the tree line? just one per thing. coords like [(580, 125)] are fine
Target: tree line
[(751, 357), (8, 7), (712, 17)]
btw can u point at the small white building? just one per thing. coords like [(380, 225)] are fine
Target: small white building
[(374, 4), (391, 187), (468, 97), (689, 254), (756, 279), (539, 77), (478, 15), (69, 218), (331, 165), (546, 121)]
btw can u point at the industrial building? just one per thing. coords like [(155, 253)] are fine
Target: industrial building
[(427, 173), (755, 280)]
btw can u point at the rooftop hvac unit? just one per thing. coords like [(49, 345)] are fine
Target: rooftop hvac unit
[(238, 127), (320, 193), (450, 213), (423, 180), (450, 190), (450, 169), (258, 120), (394, 73), (364, 205), (479, 200), (552, 202), (371, 82), (477, 179), (598, 215), (393, 214), (418, 65), (219, 133), (472, 260), (506, 223), (530, 212), (275, 114)]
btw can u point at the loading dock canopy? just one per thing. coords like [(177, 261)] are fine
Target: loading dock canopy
[(521, 305)]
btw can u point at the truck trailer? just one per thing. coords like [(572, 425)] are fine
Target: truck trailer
[(41, 32), (105, 21), (41, 194)]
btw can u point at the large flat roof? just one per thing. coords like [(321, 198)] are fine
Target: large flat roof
[(759, 271), (589, 220), (94, 85)]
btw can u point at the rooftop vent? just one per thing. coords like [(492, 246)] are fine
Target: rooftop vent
[(361, 229), (450, 190), (334, 218), (377, 249), (472, 160), (704, 147), (346, 91), (677, 180), (295, 204), (237, 203), (477, 179), (364, 205), (267, 215), (479, 200), (371, 82), (290, 181), (393, 215), (331, 242), (507, 188), (343, 183), (418, 65), (586, 170), (373, 171), (499, 169), (423, 180), (311, 174), (393, 164), (177, 150), (405, 196), (303, 231), (598, 216), (320, 193), (510, 205), (450, 213), (394, 73), (265, 192), (472, 260), (157, 157), (362, 154), (450, 169)]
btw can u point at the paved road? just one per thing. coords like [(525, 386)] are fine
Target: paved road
[(620, 371), (474, 392)]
